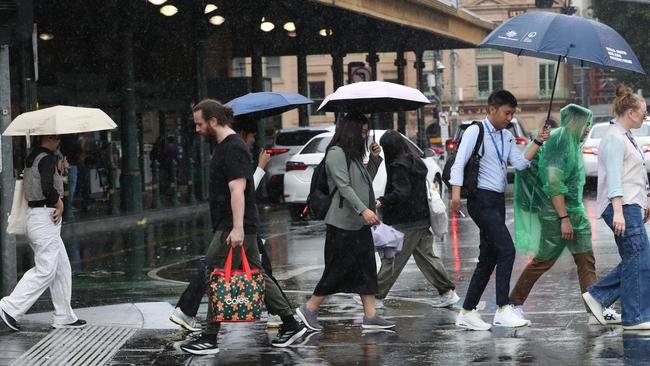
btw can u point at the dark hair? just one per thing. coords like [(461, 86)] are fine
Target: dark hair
[(244, 126), (500, 98), (394, 146), (211, 108), (625, 99), (348, 136)]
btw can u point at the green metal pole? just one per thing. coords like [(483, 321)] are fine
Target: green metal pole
[(155, 184), (173, 183), (131, 182), (191, 198), (68, 216), (112, 192)]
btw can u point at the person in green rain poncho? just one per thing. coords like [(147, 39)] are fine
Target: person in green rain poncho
[(549, 214)]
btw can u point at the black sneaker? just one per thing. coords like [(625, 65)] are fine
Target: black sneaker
[(286, 336), (10, 322), (206, 344), (78, 324)]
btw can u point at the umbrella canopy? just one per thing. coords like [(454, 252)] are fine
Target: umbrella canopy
[(557, 36), (59, 120), (373, 97), (254, 106)]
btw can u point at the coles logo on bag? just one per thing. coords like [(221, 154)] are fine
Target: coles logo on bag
[(238, 301)]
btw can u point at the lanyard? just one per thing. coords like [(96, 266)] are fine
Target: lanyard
[(645, 175), (495, 145)]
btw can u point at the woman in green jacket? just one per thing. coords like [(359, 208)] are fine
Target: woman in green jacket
[(349, 249)]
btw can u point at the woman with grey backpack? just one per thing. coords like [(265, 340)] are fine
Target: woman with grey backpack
[(349, 250), (405, 207)]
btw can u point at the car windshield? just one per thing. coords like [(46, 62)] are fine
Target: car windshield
[(598, 131), (642, 132), (296, 138), (317, 145)]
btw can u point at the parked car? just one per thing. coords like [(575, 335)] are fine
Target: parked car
[(517, 129), (590, 146), (300, 168), (286, 143)]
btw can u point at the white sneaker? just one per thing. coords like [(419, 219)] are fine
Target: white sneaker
[(507, 316), (188, 322), (640, 326), (471, 320), (610, 315), (447, 299), (379, 303), (594, 307), (519, 310)]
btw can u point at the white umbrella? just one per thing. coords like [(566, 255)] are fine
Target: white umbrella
[(373, 97), (59, 120)]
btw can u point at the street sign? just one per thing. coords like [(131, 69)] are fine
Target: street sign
[(361, 74), (443, 119)]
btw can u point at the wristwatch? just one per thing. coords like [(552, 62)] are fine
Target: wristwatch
[(537, 142)]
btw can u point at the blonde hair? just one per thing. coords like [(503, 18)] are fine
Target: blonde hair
[(625, 100)]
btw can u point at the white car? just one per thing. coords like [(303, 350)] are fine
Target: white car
[(300, 168), (286, 143), (590, 147)]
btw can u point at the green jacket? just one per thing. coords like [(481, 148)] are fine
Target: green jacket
[(357, 194)]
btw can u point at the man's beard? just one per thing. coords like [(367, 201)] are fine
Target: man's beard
[(210, 137)]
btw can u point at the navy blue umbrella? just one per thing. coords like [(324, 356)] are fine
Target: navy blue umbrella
[(560, 37), (253, 106)]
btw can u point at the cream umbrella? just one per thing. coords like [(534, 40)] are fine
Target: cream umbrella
[(59, 120)]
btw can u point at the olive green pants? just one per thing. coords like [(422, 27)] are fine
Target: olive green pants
[(419, 243), (216, 256)]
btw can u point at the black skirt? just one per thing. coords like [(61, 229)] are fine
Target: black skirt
[(349, 263)]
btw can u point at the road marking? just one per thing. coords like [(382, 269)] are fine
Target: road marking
[(89, 346)]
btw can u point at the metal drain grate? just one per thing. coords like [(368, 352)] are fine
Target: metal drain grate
[(89, 346)]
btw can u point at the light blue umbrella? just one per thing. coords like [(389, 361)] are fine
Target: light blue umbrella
[(253, 106), (560, 37)]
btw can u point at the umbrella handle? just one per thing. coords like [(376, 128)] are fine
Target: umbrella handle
[(28, 140), (550, 104)]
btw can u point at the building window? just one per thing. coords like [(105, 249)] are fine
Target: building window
[(488, 52), (239, 67), (317, 94), (490, 78), (272, 67), (546, 76)]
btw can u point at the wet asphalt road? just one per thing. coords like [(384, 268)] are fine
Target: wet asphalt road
[(145, 264)]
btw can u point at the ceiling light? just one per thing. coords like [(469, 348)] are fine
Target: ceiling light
[(210, 8), (168, 10), (266, 25), (217, 20), (325, 32), (157, 2), (291, 34), (46, 36), (289, 26)]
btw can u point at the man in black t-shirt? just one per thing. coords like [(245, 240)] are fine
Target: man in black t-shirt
[(234, 217)]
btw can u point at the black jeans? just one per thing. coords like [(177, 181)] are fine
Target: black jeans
[(190, 300), (487, 209)]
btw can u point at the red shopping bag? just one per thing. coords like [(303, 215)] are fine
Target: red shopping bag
[(236, 296)]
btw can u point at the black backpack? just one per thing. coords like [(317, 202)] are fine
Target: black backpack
[(320, 197), (470, 174)]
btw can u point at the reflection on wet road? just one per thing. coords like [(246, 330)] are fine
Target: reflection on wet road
[(113, 266)]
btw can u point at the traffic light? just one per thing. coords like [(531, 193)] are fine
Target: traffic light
[(16, 20), (544, 3)]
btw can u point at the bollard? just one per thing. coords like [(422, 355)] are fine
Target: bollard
[(191, 196), (67, 203), (112, 191), (155, 183), (173, 183)]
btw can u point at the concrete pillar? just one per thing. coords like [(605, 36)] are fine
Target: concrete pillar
[(337, 69), (419, 68), (303, 88), (400, 62), (372, 59), (203, 159)]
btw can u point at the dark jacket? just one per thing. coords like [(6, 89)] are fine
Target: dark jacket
[(405, 198)]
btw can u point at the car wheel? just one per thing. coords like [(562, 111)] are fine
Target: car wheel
[(437, 181), (295, 210)]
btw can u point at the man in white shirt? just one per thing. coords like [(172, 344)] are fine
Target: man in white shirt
[(487, 208)]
